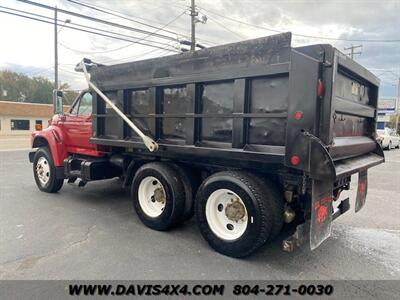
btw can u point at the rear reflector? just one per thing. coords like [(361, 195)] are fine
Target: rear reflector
[(298, 115), (321, 88), (295, 160)]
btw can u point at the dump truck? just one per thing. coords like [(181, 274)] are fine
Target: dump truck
[(247, 136)]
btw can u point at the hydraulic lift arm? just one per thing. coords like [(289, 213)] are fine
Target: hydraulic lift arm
[(148, 141)]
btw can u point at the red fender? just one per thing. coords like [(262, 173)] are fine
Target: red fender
[(53, 138)]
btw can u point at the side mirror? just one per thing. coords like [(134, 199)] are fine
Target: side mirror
[(58, 102)]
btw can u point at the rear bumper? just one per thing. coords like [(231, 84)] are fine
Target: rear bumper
[(353, 165), (328, 169)]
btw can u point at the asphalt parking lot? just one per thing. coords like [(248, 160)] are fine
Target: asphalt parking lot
[(93, 233)]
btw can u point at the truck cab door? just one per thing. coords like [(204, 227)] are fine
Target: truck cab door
[(77, 125)]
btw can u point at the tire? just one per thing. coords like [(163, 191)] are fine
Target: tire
[(190, 185), (277, 205), (158, 195), (241, 238), (43, 164)]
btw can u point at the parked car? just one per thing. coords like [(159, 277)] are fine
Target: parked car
[(388, 138)]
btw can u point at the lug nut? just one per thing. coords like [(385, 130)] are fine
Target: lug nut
[(289, 215)]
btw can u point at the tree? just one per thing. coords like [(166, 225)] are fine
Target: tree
[(69, 95), (22, 88)]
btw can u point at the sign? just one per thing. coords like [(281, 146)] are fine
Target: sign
[(383, 118), (387, 106)]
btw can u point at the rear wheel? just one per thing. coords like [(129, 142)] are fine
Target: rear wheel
[(235, 212), (158, 195), (190, 184), (44, 172)]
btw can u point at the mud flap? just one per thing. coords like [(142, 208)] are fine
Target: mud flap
[(361, 189), (321, 212)]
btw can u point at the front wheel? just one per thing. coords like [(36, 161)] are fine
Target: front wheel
[(44, 172)]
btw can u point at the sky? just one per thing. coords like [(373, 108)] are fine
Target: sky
[(27, 46)]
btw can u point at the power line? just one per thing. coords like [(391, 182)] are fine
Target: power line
[(85, 26), (135, 56), (117, 14), (137, 41), (41, 71), (84, 30), (300, 35), (226, 28), (99, 20), (390, 72), (71, 72), (140, 40), (130, 17)]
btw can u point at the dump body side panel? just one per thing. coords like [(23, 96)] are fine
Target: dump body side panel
[(205, 105), (239, 104)]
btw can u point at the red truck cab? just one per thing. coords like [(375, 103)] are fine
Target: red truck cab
[(68, 134)]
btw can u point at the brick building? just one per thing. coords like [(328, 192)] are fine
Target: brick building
[(18, 118)]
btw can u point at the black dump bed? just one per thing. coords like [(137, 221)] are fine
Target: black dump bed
[(257, 103)]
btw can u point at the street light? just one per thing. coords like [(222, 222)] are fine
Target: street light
[(62, 26), (56, 32)]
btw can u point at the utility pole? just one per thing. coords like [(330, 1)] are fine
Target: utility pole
[(397, 106), (193, 14), (55, 50), (352, 53)]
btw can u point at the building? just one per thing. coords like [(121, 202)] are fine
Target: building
[(386, 109), (19, 118)]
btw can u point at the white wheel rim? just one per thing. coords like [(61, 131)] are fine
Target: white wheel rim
[(152, 196), (43, 170), (226, 228)]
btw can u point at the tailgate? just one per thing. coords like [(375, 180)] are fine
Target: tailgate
[(354, 101), (335, 134)]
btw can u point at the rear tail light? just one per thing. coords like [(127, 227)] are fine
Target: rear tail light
[(320, 89)]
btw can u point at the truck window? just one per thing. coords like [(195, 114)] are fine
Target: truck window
[(85, 106)]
